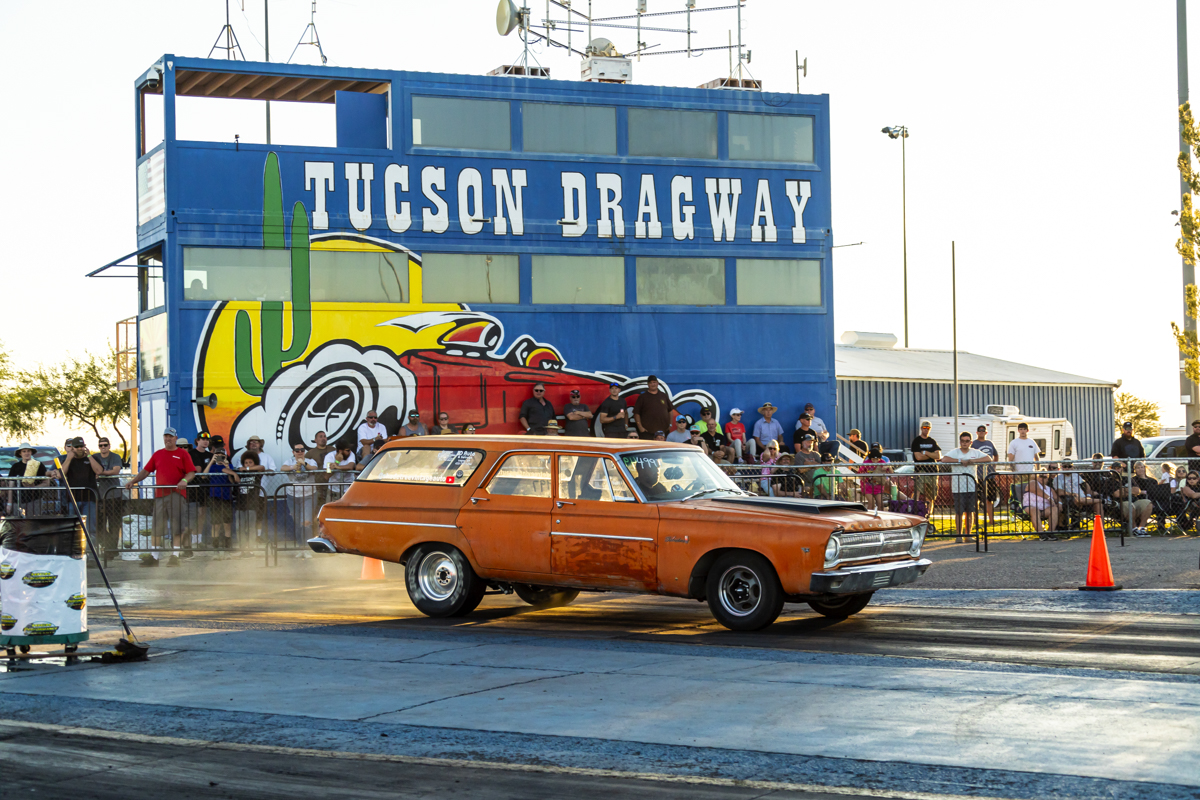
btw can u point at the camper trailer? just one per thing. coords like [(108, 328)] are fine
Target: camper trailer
[(1055, 437)]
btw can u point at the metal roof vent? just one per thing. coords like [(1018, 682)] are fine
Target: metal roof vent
[(879, 341), (603, 64)]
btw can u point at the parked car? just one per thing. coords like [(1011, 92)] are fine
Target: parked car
[(547, 517), (1164, 447)]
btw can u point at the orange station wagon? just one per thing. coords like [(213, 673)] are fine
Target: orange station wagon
[(546, 517)]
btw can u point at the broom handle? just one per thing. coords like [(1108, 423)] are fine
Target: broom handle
[(92, 546)]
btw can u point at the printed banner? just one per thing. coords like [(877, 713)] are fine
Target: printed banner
[(42, 596)]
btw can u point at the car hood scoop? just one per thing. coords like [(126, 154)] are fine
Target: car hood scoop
[(798, 504)]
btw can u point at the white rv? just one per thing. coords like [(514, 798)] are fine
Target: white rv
[(1055, 437)]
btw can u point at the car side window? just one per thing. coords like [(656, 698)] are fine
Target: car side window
[(583, 478), (525, 475), (620, 489)]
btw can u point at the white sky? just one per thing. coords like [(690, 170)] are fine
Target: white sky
[(1043, 140)]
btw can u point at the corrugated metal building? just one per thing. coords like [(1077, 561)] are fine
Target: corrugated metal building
[(884, 392)]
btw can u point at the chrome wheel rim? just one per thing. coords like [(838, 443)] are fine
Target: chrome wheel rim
[(741, 591), (438, 576)]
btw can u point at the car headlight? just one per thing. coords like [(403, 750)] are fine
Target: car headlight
[(833, 549), (918, 533)]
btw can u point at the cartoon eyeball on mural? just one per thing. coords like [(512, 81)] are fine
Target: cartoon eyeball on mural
[(285, 371)]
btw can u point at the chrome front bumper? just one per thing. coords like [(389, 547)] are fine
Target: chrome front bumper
[(855, 580)]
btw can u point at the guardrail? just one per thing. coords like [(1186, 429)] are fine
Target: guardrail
[(997, 499)]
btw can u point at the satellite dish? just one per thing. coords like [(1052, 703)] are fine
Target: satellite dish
[(602, 47), (507, 17)]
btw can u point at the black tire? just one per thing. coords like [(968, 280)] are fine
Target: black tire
[(544, 596), (743, 591), (841, 607), (440, 581)]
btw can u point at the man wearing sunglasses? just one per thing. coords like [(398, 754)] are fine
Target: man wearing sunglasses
[(371, 432), (536, 412), (301, 495)]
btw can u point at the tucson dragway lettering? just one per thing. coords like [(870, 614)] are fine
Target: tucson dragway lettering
[(590, 206)]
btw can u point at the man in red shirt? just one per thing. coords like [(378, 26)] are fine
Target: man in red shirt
[(172, 467)]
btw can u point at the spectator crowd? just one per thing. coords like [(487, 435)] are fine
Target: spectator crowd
[(202, 490)]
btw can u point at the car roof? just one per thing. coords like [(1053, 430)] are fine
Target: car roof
[(496, 443)]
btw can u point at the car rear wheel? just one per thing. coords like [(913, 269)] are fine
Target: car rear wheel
[(441, 582), (841, 607), (544, 596), (744, 592)]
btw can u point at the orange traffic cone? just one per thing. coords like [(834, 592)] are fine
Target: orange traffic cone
[(372, 569), (1099, 572)]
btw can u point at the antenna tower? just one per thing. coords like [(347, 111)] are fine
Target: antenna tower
[(231, 46), (313, 38)]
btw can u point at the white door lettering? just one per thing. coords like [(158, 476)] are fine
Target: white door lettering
[(471, 219), (721, 209), (509, 197), (647, 207), (436, 219), (762, 210), (399, 217), (798, 193), (682, 227), (609, 185), (319, 175), (574, 220), (360, 218)]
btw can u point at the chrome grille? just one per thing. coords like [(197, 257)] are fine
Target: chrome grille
[(863, 545)]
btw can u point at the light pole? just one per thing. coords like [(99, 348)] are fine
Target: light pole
[(901, 132)]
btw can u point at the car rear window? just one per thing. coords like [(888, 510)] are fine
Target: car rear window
[(425, 465)]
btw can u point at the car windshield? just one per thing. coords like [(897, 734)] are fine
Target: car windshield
[(676, 474)]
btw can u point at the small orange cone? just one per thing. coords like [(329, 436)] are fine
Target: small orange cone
[(372, 569), (1099, 572)]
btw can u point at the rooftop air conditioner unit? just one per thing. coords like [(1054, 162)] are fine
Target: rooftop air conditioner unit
[(1003, 411), (603, 64)]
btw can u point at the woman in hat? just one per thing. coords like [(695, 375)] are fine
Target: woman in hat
[(31, 472)]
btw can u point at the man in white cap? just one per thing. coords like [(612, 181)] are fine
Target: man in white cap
[(172, 468)]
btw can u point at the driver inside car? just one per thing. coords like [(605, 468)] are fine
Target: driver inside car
[(647, 480)]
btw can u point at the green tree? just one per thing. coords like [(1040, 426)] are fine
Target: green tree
[(1189, 238), (84, 390), (22, 415), (1142, 413)]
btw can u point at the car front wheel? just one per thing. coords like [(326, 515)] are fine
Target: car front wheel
[(441, 582), (544, 596), (841, 607), (744, 592)]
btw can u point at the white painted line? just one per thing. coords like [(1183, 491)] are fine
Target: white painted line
[(119, 736)]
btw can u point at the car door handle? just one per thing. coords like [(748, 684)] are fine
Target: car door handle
[(562, 503), (475, 500)]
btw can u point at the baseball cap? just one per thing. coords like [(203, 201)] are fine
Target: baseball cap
[(1128, 426), (414, 413), (855, 432), (76, 442), (876, 446), (808, 406), (681, 418), (218, 441), (202, 435), (574, 393), (696, 428), (734, 411), (659, 433), (806, 416), (170, 432), (614, 384), (981, 428), (925, 424), (651, 378)]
